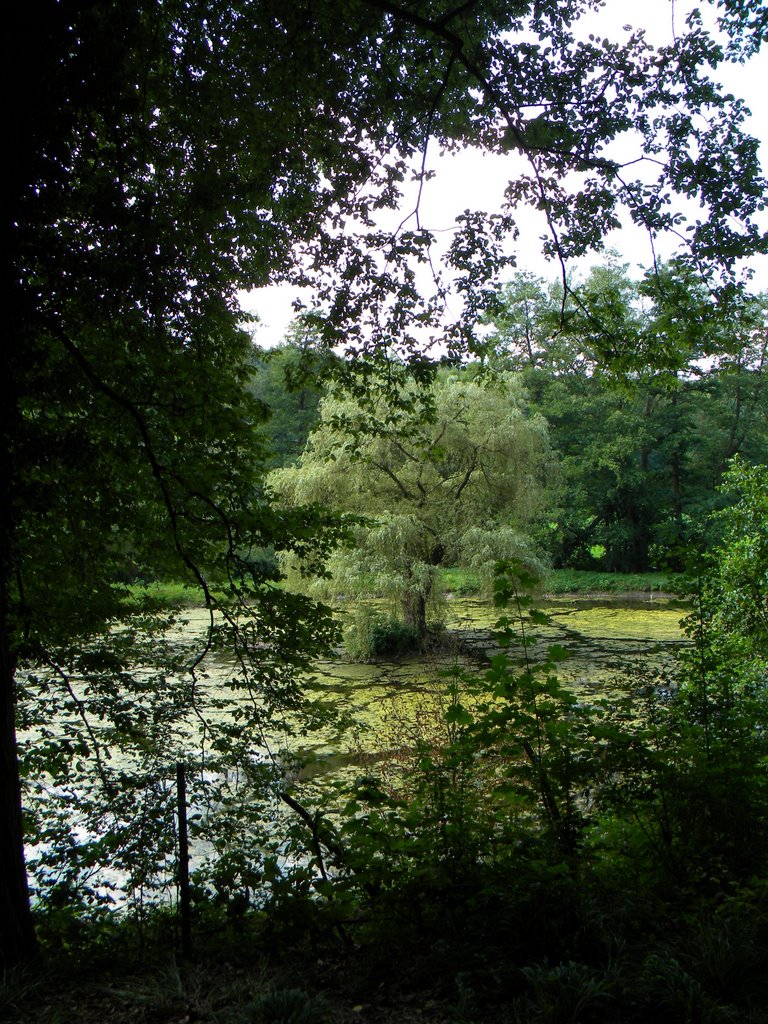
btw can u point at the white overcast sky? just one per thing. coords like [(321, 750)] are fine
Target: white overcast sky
[(475, 180)]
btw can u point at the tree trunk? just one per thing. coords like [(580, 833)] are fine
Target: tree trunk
[(415, 614), (17, 936), (676, 467), (677, 489)]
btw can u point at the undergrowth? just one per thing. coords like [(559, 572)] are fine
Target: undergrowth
[(515, 854)]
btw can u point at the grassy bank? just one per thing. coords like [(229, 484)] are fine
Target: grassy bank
[(572, 581), (163, 594), (581, 581)]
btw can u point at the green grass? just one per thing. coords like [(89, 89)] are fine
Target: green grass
[(570, 581), (462, 582), (163, 594), (581, 581), (459, 581)]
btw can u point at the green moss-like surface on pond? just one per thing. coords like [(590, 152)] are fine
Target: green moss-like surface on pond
[(591, 630), (648, 621), (611, 643)]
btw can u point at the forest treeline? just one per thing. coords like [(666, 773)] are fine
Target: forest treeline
[(639, 444)]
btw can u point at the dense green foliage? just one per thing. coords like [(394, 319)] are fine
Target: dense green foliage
[(456, 487), (289, 381), (167, 154), (648, 389)]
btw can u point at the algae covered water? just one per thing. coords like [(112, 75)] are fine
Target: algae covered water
[(384, 709), (611, 642)]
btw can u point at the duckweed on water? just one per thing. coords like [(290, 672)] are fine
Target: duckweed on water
[(609, 641), (660, 622), (602, 638)]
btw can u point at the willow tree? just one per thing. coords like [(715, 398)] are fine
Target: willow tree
[(165, 154), (458, 485)]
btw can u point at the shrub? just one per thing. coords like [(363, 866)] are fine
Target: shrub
[(373, 635), (287, 1006)]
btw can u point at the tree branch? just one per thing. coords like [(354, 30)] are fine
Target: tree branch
[(394, 478)]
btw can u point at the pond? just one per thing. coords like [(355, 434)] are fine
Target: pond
[(609, 640)]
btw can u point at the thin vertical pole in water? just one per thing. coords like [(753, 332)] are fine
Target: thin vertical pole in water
[(185, 910)]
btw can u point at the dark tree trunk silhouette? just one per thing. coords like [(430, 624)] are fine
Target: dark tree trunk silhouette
[(415, 614)]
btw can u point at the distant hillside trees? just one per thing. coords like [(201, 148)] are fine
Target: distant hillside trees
[(649, 388), (288, 381)]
